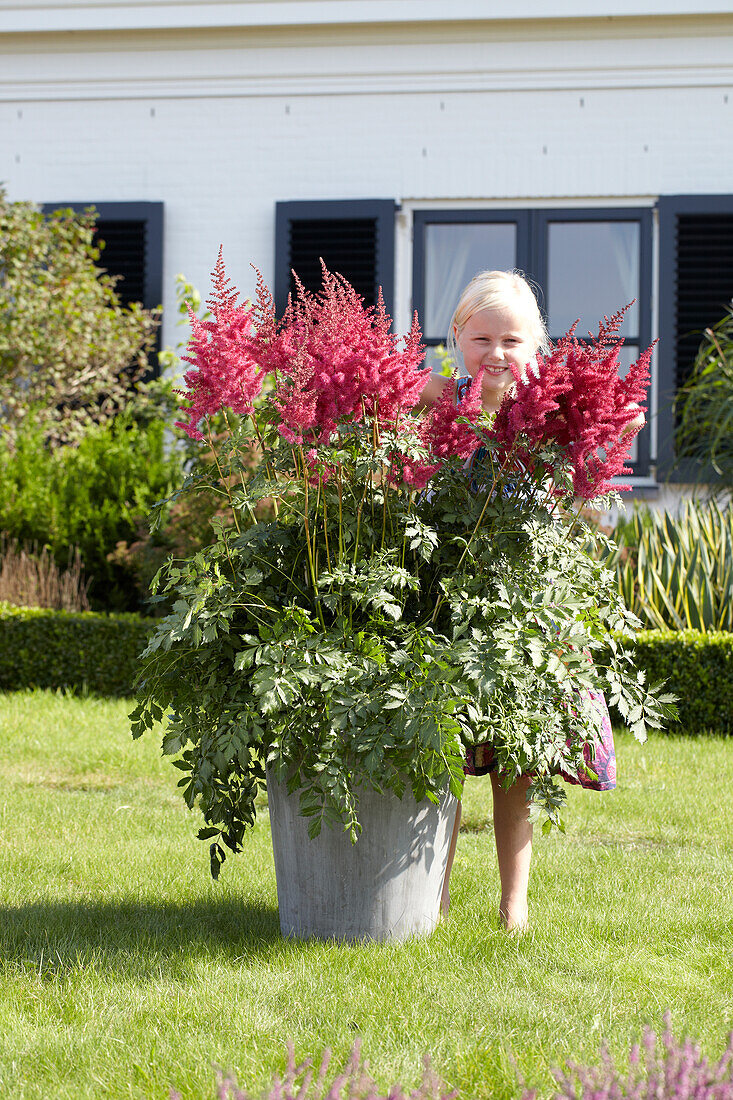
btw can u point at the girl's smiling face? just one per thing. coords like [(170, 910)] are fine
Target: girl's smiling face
[(495, 339)]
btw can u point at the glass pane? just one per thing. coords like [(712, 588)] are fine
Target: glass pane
[(593, 268), (435, 361), (454, 253)]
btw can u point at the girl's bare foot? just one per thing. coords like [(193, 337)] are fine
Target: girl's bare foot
[(513, 920)]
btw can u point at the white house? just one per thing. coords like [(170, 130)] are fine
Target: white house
[(409, 142)]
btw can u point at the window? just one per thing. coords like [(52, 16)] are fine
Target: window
[(355, 238), (133, 237), (585, 262)]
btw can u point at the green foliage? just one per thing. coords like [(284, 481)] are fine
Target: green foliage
[(676, 572), (705, 404), (698, 669), (99, 653), (81, 651), (366, 634), (67, 346), (92, 495)]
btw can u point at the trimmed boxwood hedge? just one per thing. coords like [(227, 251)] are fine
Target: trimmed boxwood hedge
[(698, 668), (82, 651), (86, 651)]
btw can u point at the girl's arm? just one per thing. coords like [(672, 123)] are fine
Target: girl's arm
[(432, 392)]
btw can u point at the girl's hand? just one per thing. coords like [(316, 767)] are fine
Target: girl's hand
[(637, 423), (432, 391)]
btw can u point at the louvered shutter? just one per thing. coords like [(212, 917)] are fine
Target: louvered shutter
[(695, 285), (704, 282), (133, 249), (353, 237), (124, 255)]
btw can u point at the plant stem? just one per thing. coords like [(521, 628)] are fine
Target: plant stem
[(268, 467), (252, 514), (223, 479), (341, 513), (309, 545)]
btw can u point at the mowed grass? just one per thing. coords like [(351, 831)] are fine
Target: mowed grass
[(124, 970)]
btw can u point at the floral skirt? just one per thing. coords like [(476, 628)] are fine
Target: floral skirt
[(600, 754)]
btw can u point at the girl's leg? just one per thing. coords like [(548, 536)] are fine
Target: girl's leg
[(513, 835)]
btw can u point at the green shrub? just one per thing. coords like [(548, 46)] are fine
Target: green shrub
[(91, 496), (81, 651), (67, 345), (698, 668), (99, 653)]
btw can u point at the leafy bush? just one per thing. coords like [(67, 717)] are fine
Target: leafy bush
[(62, 649), (351, 1083), (92, 495), (676, 572), (659, 1069), (705, 403), (99, 653), (698, 669), (66, 343)]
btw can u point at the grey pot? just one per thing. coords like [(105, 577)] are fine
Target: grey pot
[(387, 886)]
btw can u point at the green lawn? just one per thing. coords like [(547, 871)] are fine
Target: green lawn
[(125, 970)]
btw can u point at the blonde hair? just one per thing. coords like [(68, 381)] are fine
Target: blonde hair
[(492, 290)]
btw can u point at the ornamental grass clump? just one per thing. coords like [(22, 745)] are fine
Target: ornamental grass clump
[(394, 608)]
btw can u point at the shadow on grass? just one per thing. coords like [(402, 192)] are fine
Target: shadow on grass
[(135, 936)]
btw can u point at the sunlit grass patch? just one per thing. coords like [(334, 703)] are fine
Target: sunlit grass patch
[(124, 970)]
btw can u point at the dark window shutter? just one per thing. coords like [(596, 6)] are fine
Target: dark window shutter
[(355, 238), (695, 285), (133, 249), (124, 255), (704, 282)]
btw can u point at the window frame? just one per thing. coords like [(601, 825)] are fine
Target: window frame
[(151, 213)]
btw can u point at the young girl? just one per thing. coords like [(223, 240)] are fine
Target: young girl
[(497, 324)]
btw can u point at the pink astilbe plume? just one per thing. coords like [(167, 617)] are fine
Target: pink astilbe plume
[(225, 372), (443, 433), (337, 359), (577, 399)]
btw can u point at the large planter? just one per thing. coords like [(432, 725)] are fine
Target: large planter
[(387, 886)]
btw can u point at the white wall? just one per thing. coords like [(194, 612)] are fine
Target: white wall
[(75, 15), (219, 125)]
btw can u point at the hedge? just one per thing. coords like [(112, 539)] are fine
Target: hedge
[(81, 651), (698, 668), (88, 651)]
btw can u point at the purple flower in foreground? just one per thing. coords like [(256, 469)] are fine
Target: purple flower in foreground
[(659, 1069), (301, 1082)]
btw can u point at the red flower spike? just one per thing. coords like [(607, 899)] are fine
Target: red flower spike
[(225, 371), (339, 360), (578, 400)]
